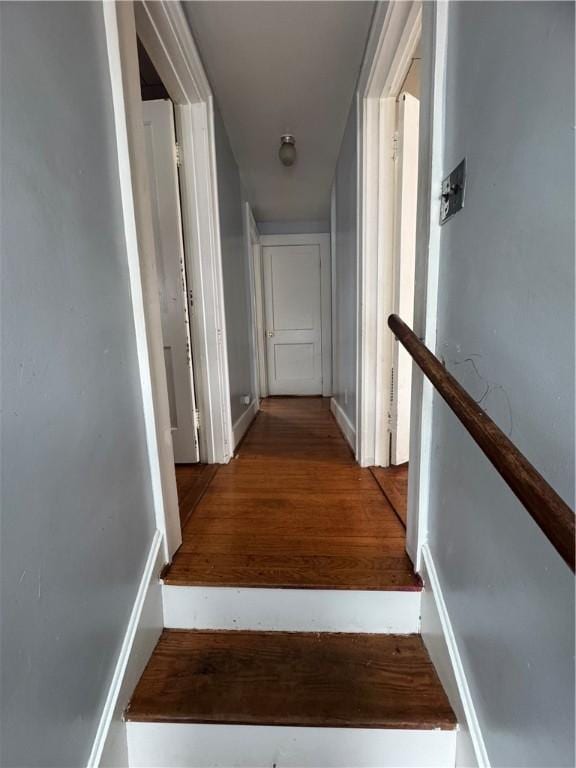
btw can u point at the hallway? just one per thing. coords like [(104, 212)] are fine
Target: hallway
[(293, 509)]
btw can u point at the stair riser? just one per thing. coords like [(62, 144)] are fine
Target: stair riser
[(157, 745), (291, 610)]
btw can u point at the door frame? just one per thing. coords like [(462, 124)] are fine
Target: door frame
[(165, 33), (380, 83), (254, 249), (405, 202), (396, 30), (323, 242), (170, 255)]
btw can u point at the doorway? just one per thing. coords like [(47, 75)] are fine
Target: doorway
[(174, 286), (393, 475), (164, 34), (384, 78)]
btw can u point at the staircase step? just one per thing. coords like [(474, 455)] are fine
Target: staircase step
[(291, 678), (378, 696), (291, 610)]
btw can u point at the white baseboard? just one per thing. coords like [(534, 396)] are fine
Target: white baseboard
[(241, 425), (188, 745), (344, 423), (291, 610), (144, 628), (438, 636)]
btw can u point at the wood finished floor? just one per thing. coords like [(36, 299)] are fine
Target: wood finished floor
[(191, 482), (293, 509), (298, 679), (394, 484)]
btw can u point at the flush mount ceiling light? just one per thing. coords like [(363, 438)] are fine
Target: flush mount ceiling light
[(287, 151)]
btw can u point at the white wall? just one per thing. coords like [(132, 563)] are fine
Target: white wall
[(506, 331), (344, 335), (235, 267), (77, 514)]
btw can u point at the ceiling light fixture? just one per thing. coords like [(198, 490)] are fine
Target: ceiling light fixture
[(287, 151)]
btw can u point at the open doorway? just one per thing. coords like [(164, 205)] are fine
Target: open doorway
[(390, 139), (167, 40), (397, 63), (174, 284), (393, 476)]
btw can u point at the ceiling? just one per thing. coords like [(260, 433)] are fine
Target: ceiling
[(283, 67)]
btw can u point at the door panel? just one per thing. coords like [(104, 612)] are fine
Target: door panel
[(404, 268), (294, 361), (292, 280), (166, 221)]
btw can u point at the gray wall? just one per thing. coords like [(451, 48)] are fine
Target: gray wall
[(344, 272), (506, 331), (231, 198), (77, 517), (306, 227)]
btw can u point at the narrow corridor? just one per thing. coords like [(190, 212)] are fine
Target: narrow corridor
[(293, 509)]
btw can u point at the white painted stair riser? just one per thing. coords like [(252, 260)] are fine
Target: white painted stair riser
[(291, 610), (183, 745)]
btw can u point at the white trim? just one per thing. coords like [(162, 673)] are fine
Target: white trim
[(125, 82), (333, 237), (165, 33), (242, 424), (253, 254), (322, 240), (164, 30), (438, 636), (291, 610), (346, 426), (391, 46), (192, 745), (434, 49), (144, 628), (258, 276)]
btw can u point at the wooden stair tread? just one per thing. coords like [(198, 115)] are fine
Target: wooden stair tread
[(296, 679)]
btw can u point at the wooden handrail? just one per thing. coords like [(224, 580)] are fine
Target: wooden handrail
[(548, 510)]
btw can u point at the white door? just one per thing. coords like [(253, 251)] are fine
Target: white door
[(166, 220), (406, 160), (292, 286)]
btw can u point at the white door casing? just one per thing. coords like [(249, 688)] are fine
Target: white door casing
[(259, 320), (256, 302), (406, 195), (292, 285), (160, 143)]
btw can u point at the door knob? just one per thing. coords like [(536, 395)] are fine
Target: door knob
[(269, 334)]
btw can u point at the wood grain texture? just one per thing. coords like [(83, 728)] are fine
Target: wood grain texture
[(192, 480), (293, 509), (298, 679), (547, 509), (394, 484)]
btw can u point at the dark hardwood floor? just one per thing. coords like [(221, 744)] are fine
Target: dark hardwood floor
[(192, 480), (293, 509), (291, 678), (394, 484)]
